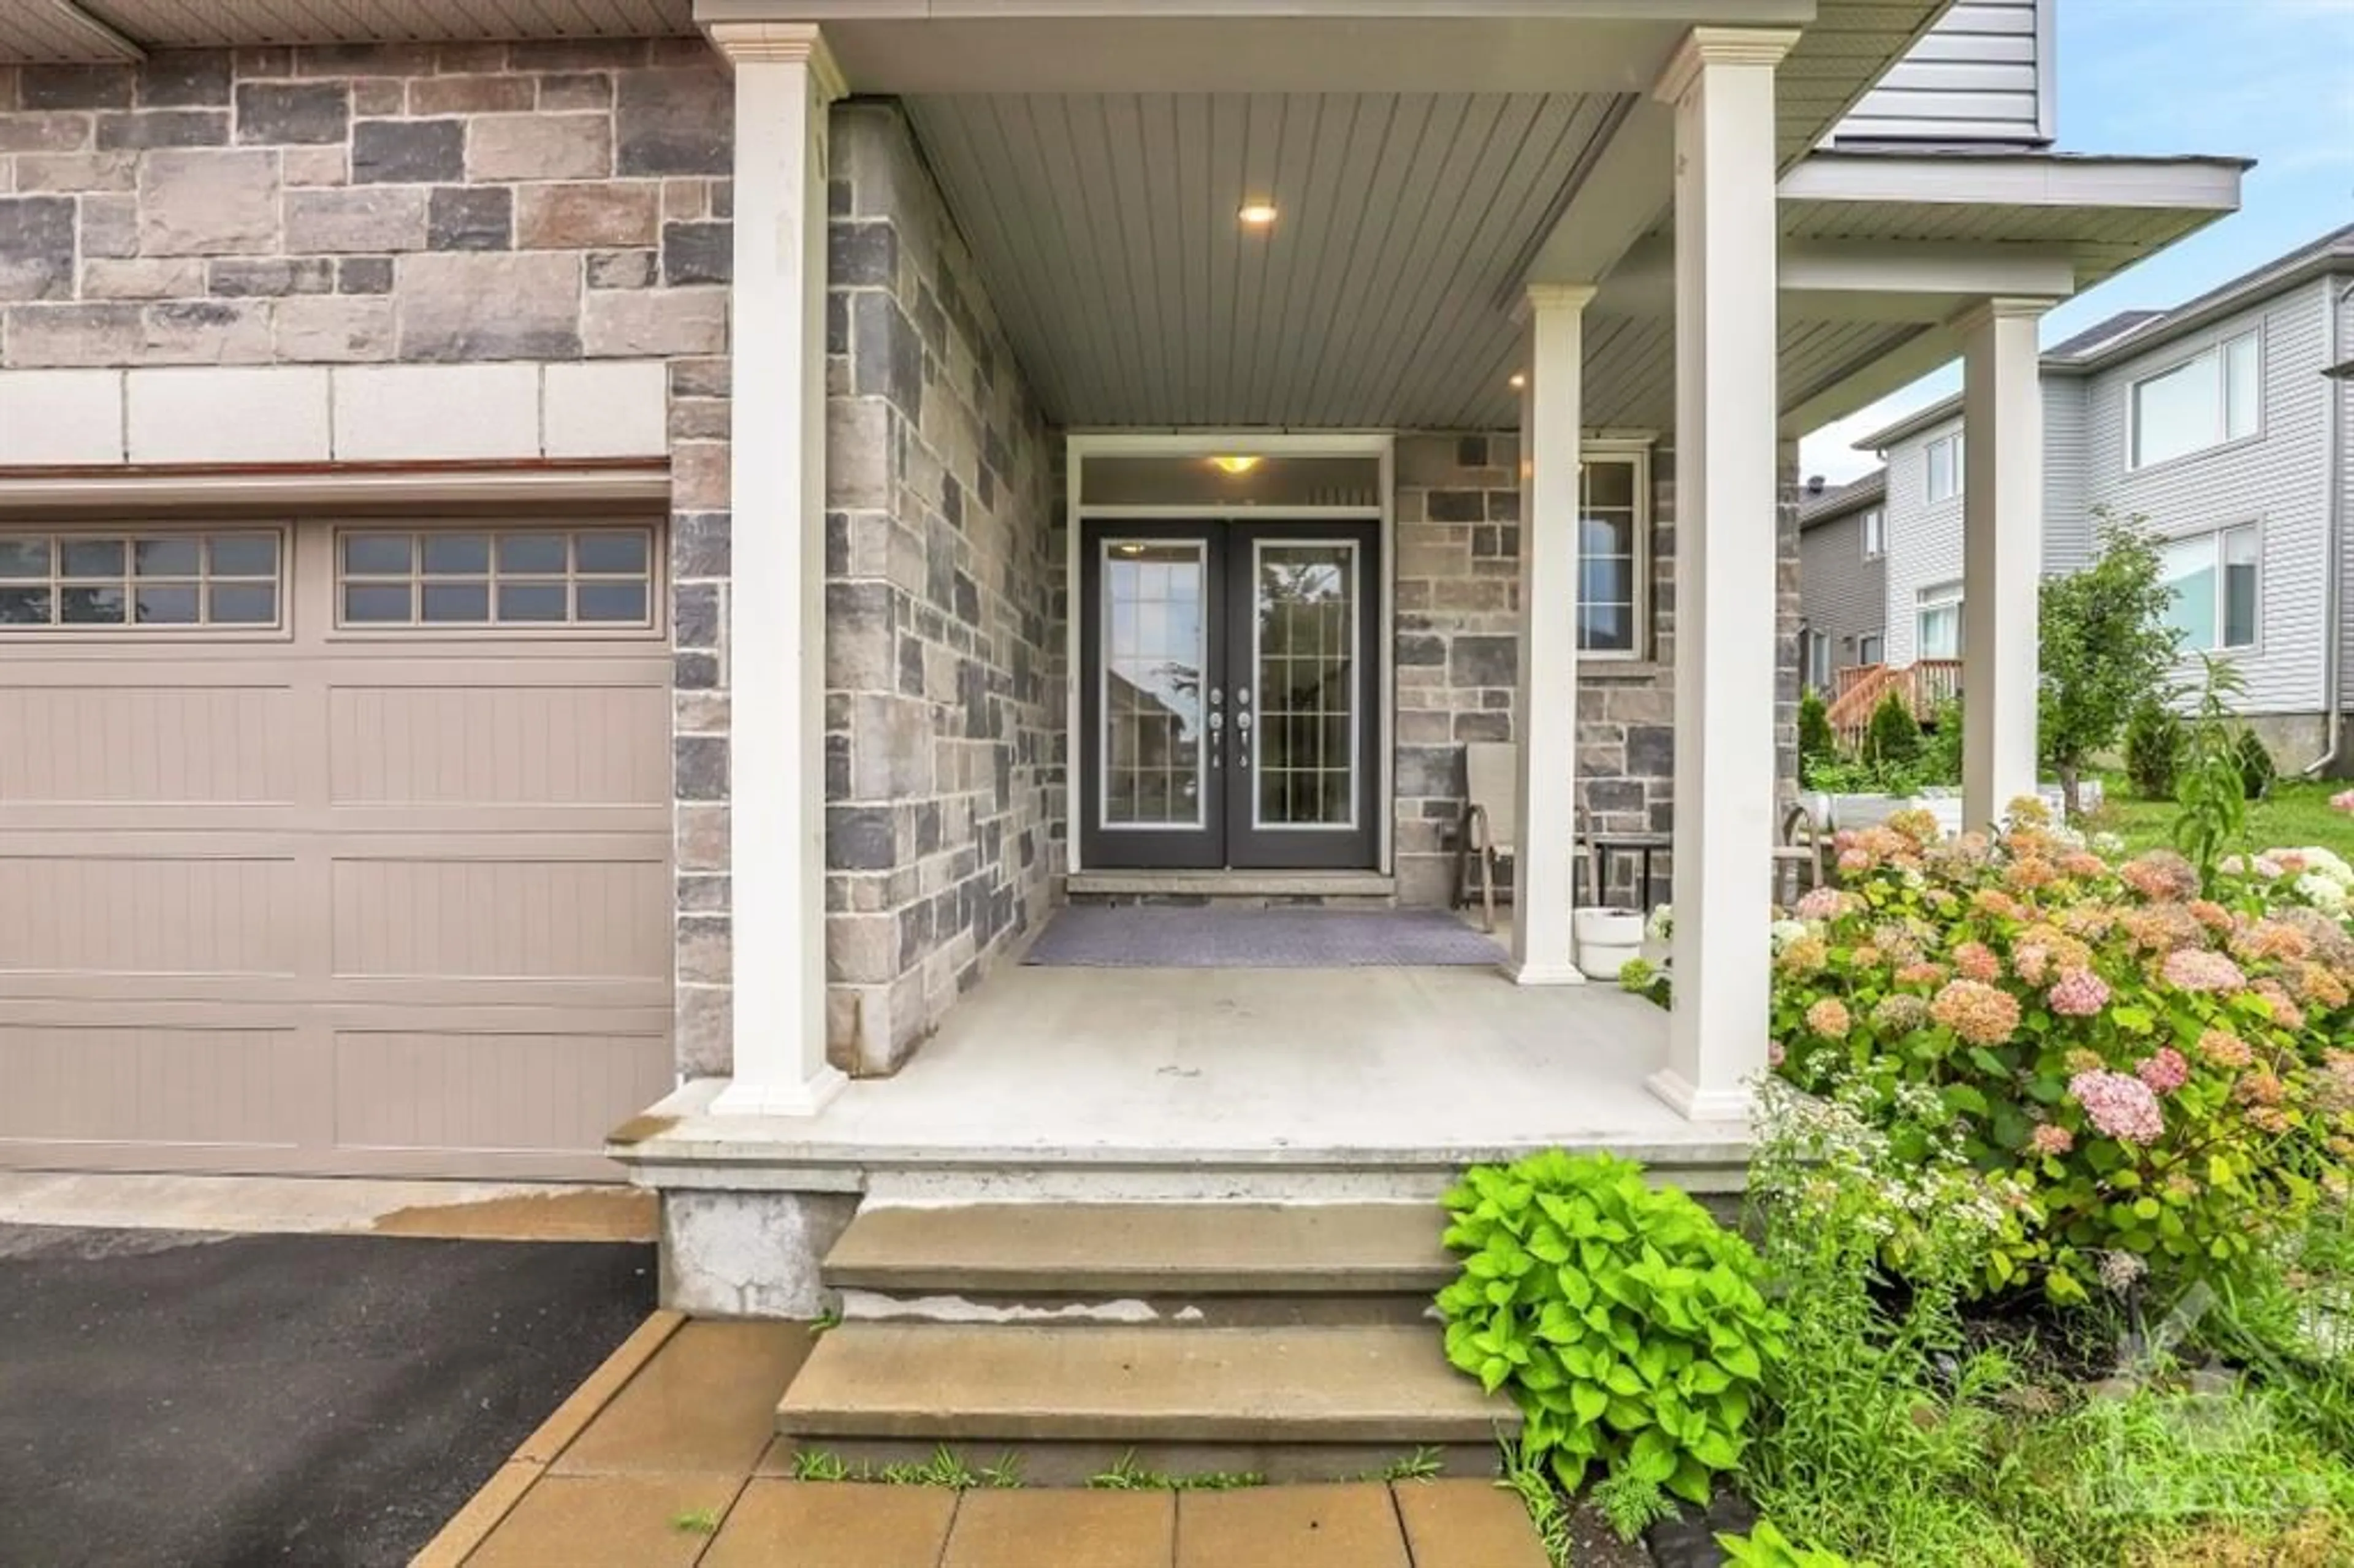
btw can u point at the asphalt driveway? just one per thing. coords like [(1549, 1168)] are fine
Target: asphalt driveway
[(198, 1400)]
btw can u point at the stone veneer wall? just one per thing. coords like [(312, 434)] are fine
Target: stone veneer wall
[(425, 204), (1458, 540), (943, 717)]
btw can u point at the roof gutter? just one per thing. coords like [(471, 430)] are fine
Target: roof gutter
[(2333, 581)]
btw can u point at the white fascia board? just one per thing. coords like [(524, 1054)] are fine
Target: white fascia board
[(1918, 267), (1620, 199), (2026, 179)]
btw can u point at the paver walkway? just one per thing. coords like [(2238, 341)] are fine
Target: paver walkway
[(680, 1470)]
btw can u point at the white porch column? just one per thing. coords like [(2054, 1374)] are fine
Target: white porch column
[(1544, 873), (2002, 551), (776, 617), (1722, 84)]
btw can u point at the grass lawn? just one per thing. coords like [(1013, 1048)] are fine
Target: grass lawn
[(2296, 812)]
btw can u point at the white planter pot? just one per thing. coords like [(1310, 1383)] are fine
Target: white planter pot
[(1865, 811), (1605, 939)]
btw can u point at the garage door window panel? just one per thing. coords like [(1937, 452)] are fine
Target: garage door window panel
[(187, 581), (524, 579)]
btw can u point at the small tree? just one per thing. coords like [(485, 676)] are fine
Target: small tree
[(2154, 743), (2212, 786), (1817, 742), (1892, 739), (2107, 646)]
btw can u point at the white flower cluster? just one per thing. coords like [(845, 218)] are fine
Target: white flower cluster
[(1661, 927), (1828, 1158), (2313, 875), (1786, 932)]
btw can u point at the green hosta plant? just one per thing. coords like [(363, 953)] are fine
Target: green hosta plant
[(1626, 1323)]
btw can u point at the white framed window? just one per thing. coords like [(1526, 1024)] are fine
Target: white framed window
[(1871, 648), (1875, 534), (2218, 582), (1614, 551), (2214, 397), (1937, 622), (1944, 464), (388, 579), (97, 581), (1818, 661)]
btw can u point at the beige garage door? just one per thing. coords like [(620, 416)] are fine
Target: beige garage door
[(332, 847)]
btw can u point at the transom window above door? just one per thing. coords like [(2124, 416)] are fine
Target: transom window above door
[(512, 577), (99, 581)]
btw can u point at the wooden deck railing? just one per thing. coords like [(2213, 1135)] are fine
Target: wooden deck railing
[(1858, 689)]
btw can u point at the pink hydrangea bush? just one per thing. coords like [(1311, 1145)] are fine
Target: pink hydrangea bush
[(2150, 1073)]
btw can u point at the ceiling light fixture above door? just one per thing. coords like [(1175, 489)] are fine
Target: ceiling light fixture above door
[(1257, 215)]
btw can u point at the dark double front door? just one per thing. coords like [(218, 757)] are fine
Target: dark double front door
[(1230, 711)]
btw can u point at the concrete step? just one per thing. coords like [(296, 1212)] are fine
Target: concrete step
[(1167, 1251), (1362, 1389)]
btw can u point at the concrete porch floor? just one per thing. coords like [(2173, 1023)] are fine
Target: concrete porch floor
[(1407, 1071)]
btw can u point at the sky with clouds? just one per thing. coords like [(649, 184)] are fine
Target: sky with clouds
[(2269, 79)]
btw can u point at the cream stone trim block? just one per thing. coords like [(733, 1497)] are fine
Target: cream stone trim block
[(58, 417), (257, 415)]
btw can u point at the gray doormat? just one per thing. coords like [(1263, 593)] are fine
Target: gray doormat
[(1157, 937)]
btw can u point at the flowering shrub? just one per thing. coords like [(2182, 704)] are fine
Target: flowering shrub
[(2137, 1071)]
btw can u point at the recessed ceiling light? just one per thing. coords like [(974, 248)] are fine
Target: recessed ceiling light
[(1237, 464), (1520, 379), (1258, 214)]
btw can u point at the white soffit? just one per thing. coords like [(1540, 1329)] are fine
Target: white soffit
[(47, 31), (1106, 227)]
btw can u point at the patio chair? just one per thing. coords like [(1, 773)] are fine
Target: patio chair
[(1799, 858), (1490, 827)]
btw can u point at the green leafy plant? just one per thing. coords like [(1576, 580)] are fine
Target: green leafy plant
[(1626, 1322), (2210, 788), (1632, 1503), (2258, 771), (1892, 737), (2104, 646), (1941, 745), (1528, 1479), (1767, 1547), (1422, 1465), (1817, 742), (1859, 777), (696, 1521), (819, 1465), (2154, 743)]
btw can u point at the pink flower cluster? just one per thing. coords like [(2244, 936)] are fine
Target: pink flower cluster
[(2195, 968), (2081, 993), (2050, 1138), (2165, 1070), (2120, 1106), (1976, 1011), (1976, 960), (2225, 1049), (2344, 801), (1830, 1017)]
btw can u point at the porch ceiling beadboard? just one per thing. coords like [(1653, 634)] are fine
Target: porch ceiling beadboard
[(1107, 224)]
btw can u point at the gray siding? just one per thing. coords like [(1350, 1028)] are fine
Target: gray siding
[(1925, 541), (2274, 478), (1982, 74), (2342, 290), (1840, 594), (2067, 515)]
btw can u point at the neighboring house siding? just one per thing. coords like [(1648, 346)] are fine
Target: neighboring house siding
[(1924, 539), (2342, 292), (1982, 73), (1842, 595), (2068, 528), (2273, 477)]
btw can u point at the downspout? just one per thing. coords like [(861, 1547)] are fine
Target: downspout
[(2333, 581)]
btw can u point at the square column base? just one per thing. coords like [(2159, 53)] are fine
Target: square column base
[(1537, 973), (1699, 1105), (804, 1097), (749, 1254)]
